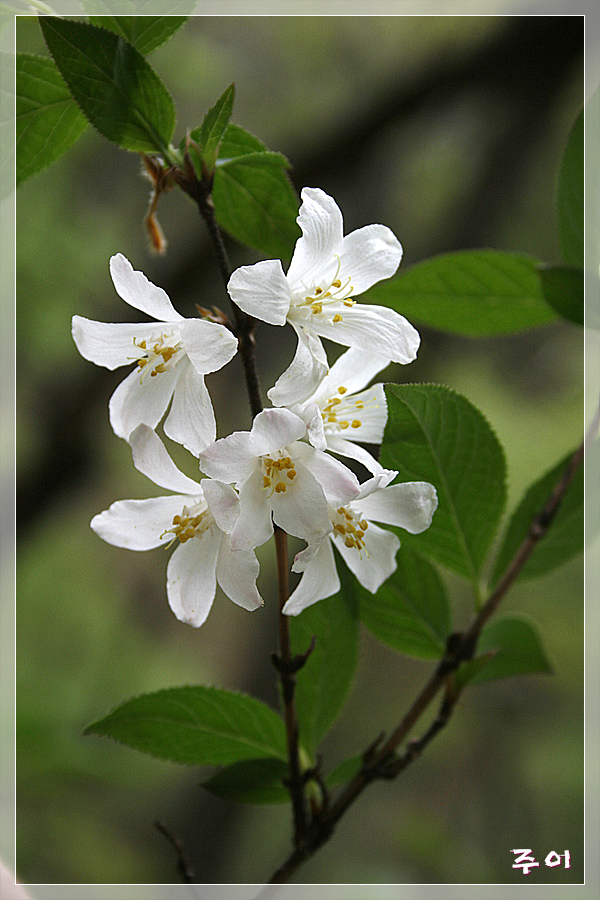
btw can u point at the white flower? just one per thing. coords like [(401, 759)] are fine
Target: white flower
[(279, 478), (368, 551), (172, 355), (316, 296), (339, 412), (198, 516)]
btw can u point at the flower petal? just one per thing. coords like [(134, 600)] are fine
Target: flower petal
[(274, 429), (138, 524), (191, 577), (237, 571), (354, 451), (304, 374), (138, 401), (110, 344), (262, 291), (315, 428), (376, 561), (230, 459), (322, 225), (319, 580), (134, 288), (191, 419), (338, 482), (364, 327), (409, 505), (369, 255), (150, 457), (378, 482), (369, 407), (353, 370), (223, 503), (254, 525), (210, 346), (301, 510)]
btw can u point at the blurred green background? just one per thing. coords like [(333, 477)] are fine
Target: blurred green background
[(450, 130)]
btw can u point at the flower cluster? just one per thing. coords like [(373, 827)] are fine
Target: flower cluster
[(285, 470)]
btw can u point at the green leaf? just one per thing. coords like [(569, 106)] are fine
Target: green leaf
[(209, 135), (345, 771), (117, 90), (478, 293), (254, 199), (468, 670), (239, 142), (518, 651), (570, 197), (564, 538), (324, 681), (436, 435), (145, 33), (563, 288), (251, 781), (410, 611), (48, 121), (196, 725)]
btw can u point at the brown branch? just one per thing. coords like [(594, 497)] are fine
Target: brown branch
[(380, 760), (200, 192), (287, 667)]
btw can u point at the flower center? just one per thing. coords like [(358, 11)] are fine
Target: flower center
[(333, 296), (348, 526), (157, 357), (340, 413), (192, 522), (278, 473)]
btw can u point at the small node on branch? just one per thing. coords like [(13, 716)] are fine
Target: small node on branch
[(371, 750), (295, 663)]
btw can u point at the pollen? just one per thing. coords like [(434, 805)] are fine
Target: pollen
[(356, 423), (325, 300), (277, 474), (191, 523), (349, 527), (163, 354)]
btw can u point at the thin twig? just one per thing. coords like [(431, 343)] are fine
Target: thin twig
[(199, 191), (381, 761), (287, 668)]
